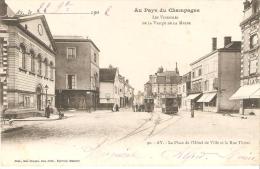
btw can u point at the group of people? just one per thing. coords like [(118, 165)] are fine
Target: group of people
[(51, 110), (138, 108)]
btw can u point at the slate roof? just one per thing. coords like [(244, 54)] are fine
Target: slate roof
[(107, 74), (234, 46)]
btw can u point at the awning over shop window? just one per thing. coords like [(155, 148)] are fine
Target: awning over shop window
[(207, 97), (192, 96), (210, 97), (256, 94), (203, 97), (246, 92)]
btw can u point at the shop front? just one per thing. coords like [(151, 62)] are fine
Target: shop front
[(194, 98), (208, 101), (249, 96)]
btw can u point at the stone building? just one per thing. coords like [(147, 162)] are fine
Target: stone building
[(215, 77), (249, 92), (28, 64), (184, 88), (114, 89), (161, 84), (77, 73), (109, 87)]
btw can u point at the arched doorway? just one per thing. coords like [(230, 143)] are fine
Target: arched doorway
[(39, 97)]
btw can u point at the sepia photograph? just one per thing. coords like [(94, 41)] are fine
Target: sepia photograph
[(119, 83)]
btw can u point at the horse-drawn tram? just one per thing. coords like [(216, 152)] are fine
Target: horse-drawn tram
[(149, 104), (170, 104)]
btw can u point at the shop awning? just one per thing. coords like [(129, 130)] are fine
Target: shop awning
[(256, 95), (207, 97), (203, 97), (246, 92), (192, 96), (210, 97)]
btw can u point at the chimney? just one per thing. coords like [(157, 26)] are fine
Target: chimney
[(214, 44), (3, 8), (227, 40)]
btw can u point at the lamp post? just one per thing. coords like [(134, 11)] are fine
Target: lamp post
[(46, 98)]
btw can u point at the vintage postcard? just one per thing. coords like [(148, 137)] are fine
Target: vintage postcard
[(130, 83)]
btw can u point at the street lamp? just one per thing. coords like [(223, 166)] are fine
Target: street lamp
[(46, 89)]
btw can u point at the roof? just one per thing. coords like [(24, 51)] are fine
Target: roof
[(107, 74), (16, 20), (69, 38), (167, 73), (234, 46)]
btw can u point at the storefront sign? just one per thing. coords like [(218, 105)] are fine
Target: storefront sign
[(251, 81)]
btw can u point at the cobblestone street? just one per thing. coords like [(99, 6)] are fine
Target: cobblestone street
[(103, 137)]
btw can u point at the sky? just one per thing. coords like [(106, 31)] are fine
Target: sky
[(136, 49)]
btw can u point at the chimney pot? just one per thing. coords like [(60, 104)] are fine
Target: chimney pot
[(214, 44), (227, 40)]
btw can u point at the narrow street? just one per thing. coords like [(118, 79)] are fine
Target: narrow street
[(139, 138)]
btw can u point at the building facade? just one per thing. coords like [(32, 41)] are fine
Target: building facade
[(114, 89), (77, 73), (249, 92), (184, 88), (215, 76), (161, 84), (109, 87), (27, 64)]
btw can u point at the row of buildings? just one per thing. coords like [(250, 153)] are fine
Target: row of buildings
[(163, 83), (225, 79), (37, 68)]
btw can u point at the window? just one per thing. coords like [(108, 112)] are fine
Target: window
[(71, 53), (51, 70), (251, 103), (253, 41), (46, 67), (39, 65), (1, 52), (27, 101), (193, 74), (253, 66), (206, 85), (71, 81), (199, 72), (32, 61), (95, 57), (23, 56)]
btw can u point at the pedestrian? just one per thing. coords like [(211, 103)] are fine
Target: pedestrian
[(117, 107), (48, 110)]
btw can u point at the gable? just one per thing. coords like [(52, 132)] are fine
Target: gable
[(39, 29)]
